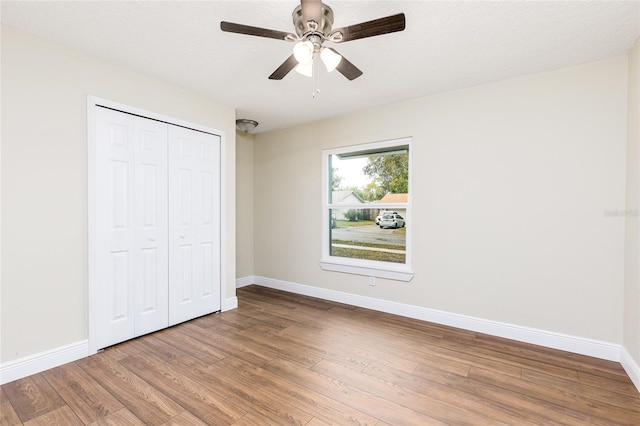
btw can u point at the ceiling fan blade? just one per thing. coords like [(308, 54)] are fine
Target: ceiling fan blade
[(284, 69), (311, 10), (389, 24), (346, 68), (230, 27)]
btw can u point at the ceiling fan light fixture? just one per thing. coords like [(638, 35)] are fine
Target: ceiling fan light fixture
[(303, 52), (330, 58), (305, 69), (313, 23)]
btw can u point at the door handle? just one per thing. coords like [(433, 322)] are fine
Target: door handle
[(152, 238), (182, 235)]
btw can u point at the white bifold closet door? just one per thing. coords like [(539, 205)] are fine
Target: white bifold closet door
[(157, 229), (194, 224)]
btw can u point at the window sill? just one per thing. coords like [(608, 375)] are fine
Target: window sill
[(401, 273)]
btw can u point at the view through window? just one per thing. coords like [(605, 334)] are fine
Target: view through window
[(368, 203)]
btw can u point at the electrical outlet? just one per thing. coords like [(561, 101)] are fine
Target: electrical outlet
[(372, 281)]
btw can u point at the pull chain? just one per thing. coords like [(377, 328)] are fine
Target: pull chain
[(315, 74)]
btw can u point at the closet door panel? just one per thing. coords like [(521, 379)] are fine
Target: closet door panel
[(209, 225), (194, 223), (113, 296), (151, 221), (131, 292)]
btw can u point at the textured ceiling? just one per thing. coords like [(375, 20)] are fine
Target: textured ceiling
[(447, 45)]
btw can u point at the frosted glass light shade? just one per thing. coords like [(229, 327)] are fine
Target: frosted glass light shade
[(303, 52), (330, 59), (305, 69)]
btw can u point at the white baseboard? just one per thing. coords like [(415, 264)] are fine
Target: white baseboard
[(550, 339), (32, 364), (230, 303), (631, 367), (245, 281)]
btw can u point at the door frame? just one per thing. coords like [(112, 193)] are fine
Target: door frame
[(93, 102)]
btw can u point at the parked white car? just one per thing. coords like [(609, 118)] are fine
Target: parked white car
[(391, 220), (382, 214)]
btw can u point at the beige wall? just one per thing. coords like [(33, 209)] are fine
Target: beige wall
[(632, 252), (244, 203), (44, 182), (511, 184)]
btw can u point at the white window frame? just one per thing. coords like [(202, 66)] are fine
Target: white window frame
[(371, 268)]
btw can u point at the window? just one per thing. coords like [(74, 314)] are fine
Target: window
[(367, 210)]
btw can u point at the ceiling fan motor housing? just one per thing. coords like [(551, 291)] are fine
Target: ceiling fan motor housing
[(303, 28)]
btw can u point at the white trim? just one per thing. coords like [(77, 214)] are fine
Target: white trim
[(550, 339), (91, 214), (230, 303), (245, 281), (36, 363), (94, 102), (631, 367), (337, 264)]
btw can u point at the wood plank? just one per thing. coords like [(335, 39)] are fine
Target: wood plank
[(250, 419), (265, 398), (435, 401), (344, 350), (236, 320), (144, 401), (60, 416), (230, 346), (8, 416), (124, 349), (582, 406), (260, 337), (268, 411), (327, 409), (578, 362), (188, 393), (513, 360), (317, 422), (622, 387), (361, 400), (88, 400), (498, 404), (595, 394), (122, 417), (32, 397), (333, 346), (188, 345), (543, 359), (185, 419)]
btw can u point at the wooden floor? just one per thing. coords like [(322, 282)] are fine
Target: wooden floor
[(283, 359)]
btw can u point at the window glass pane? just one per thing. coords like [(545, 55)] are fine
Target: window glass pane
[(364, 183), (371, 176), (363, 233)]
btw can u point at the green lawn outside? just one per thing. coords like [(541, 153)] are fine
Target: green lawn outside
[(347, 223), (368, 254)]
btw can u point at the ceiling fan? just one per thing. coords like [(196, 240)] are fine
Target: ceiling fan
[(313, 22)]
